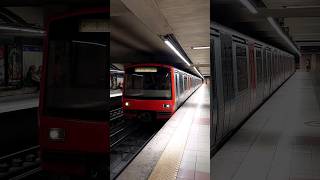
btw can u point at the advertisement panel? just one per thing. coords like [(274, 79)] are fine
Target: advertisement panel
[(14, 66)]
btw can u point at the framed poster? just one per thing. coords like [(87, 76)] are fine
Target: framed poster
[(14, 66)]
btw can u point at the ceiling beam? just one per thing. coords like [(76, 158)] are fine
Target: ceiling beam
[(290, 12)]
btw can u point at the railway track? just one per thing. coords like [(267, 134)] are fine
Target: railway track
[(21, 164), (116, 114), (131, 139), (127, 139)]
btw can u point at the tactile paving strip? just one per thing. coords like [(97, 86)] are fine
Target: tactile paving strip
[(168, 165)]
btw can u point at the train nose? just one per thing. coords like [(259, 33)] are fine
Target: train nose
[(145, 117)]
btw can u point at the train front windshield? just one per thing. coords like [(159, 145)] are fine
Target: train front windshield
[(148, 83), (76, 69)]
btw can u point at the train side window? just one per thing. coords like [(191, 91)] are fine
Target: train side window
[(176, 80), (181, 83), (185, 83), (259, 65), (242, 69)]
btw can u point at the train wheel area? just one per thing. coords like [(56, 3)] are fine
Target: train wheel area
[(180, 148)]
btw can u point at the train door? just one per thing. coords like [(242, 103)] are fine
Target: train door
[(264, 71), (269, 65), (213, 96), (240, 54), (259, 80), (252, 70), (227, 80), (267, 72), (181, 90), (271, 71), (218, 90), (176, 80), (277, 70)]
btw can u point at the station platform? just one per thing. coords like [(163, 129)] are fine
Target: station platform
[(115, 93), (280, 141), (181, 148), (18, 102)]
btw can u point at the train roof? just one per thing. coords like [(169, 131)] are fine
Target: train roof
[(159, 65), (215, 28), (148, 64)]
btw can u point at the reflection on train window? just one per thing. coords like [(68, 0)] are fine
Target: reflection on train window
[(181, 83), (259, 65), (269, 64), (73, 81), (176, 87), (148, 85), (185, 82), (76, 81), (242, 70)]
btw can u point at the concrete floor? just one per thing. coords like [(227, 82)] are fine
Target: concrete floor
[(281, 141), (18, 102)]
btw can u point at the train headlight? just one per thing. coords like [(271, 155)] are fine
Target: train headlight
[(126, 104), (56, 134), (166, 105)]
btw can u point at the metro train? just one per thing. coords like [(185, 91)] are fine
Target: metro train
[(73, 127), (156, 91), (245, 73)]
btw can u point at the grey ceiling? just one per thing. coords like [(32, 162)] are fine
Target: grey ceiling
[(300, 19), (136, 27)]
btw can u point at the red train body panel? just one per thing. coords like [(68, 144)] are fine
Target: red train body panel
[(94, 142), (85, 141)]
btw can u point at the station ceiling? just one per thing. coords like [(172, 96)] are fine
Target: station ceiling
[(24, 3), (137, 25), (299, 19), (18, 15)]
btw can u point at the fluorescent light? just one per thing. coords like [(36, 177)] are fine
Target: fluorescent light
[(280, 32), (22, 29), (118, 71), (200, 47), (91, 43), (249, 6), (198, 72), (299, 7), (168, 43)]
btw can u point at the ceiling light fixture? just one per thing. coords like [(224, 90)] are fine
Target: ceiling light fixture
[(168, 43), (249, 6), (22, 29), (198, 72), (281, 33), (117, 71), (300, 7), (200, 47)]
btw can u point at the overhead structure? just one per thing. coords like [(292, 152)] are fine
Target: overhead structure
[(187, 22), (275, 22)]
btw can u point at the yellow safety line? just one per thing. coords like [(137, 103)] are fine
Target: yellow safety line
[(168, 165)]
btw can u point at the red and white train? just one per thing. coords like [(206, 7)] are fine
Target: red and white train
[(156, 91)]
